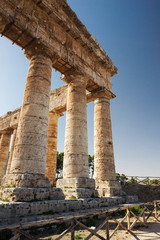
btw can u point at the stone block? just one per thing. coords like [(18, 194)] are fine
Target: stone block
[(39, 210), (78, 193), (131, 199), (76, 183), (108, 188), (25, 180), (30, 194)]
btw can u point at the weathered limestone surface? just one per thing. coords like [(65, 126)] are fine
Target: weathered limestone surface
[(76, 139), (31, 141), (9, 121), (29, 157), (104, 166), (8, 211), (77, 187), (26, 194), (52, 147), (58, 99), (75, 166), (53, 36), (4, 148), (60, 31), (57, 103)]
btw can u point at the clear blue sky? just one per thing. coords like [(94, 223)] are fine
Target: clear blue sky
[(129, 31)]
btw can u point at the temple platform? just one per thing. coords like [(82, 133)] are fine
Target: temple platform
[(12, 212)]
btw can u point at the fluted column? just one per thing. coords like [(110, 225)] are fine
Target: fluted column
[(104, 166), (52, 147), (29, 157), (4, 149), (11, 151)]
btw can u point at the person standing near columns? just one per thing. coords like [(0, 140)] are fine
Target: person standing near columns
[(29, 157), (104, 166), (4, 150), (75, 165)]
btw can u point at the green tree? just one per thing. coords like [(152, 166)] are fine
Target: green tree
[(60, 157), (121, 178), (91, 163)]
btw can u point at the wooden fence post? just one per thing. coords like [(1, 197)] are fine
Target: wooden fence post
[(128, 219), (73, 230), (155, 207), (143, 216), (107, 227)]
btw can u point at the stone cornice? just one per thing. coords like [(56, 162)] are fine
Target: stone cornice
[(86, 39), (54, 27), (91, 41)]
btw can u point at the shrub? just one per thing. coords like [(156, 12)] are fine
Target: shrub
[(132, 180), (154, 181), (136, 209), (73, 197), (78, 236), (121, 178)]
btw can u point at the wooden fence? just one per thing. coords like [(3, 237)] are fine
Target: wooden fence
[(143, 180), (126, 223)]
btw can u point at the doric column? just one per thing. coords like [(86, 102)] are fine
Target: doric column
[(29, 157), (76, 139), (52, 147), (31, 141), (11, 151), (75, 166), (104, 166), (4, 149)]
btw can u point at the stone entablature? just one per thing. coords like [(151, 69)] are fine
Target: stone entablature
[(54, 27), (9, 121)]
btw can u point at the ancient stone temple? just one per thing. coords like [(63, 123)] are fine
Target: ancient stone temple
[(53, 37)]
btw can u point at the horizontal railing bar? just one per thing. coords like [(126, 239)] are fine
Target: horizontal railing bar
[(92, 212)]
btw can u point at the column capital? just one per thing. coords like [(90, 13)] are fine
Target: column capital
[(36, 48), (101, 100), (102, 93), (68, 78), (56, 113), (8, 131)]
